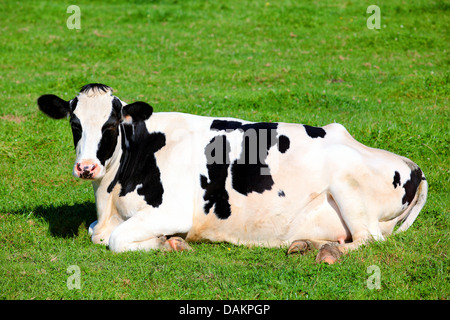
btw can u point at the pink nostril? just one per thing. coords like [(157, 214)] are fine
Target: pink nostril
[(85, 167)]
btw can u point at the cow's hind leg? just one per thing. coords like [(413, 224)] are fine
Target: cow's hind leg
[(329, 252), (332, 251), (357, 213), (303, 246), (299, 246)]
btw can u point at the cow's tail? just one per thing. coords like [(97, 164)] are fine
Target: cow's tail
[(416, 205)]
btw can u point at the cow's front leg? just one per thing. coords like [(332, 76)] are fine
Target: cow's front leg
[(101, 231), (158, 243), (149, 231), (91, 228)]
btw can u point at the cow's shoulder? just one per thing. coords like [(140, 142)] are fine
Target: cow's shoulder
[(138, 169)]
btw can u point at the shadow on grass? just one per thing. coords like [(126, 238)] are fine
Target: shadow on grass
[(66, 220)]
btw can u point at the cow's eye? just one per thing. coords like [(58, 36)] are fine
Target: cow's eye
[(111, 127), (76, 126)]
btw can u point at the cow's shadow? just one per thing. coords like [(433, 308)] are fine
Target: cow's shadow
[(65, 221)]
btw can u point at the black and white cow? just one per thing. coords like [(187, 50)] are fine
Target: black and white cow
[(157, 175)]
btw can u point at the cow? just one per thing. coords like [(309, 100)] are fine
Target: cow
[(164, 179)]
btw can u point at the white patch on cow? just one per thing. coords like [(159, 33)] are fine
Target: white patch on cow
[(93, 109), (139, 186)]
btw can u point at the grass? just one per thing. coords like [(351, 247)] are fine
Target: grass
[(289, 61)]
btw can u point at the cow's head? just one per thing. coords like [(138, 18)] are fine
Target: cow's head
[(95, 115)]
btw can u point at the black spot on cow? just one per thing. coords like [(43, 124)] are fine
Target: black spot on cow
[(281, 194), (138, 167), (110, 133), (77, 130), (227, 125), (283, 143), (396, 181), (216, 194), (250, 172), (412, 184), (315, 132)]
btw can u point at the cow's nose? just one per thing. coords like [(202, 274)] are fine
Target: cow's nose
[(86, 169)]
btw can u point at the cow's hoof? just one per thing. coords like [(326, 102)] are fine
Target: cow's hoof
[(177, 244), (299, 246), (328, 253)]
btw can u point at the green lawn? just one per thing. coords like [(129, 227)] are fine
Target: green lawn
[(289, 61)]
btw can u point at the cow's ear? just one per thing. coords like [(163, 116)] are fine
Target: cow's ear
[(54, 106), (137, 111)]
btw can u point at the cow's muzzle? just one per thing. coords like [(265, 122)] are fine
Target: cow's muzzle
[(86, 169)]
